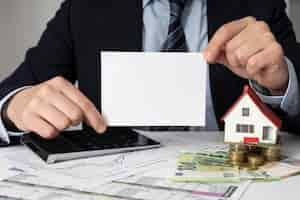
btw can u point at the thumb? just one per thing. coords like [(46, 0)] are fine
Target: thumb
[(209, 56), (214, 59), (222, 59)]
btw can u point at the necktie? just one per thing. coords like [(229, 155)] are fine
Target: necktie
[(176, 41)]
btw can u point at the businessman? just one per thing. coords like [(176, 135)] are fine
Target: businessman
[(245, 41)]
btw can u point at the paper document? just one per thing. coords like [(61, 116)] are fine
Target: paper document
[(216, 191), (7, 169), (134, 175), (92, 173), (153, 89), (17, 191)]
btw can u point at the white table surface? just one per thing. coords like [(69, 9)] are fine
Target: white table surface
[(288, 189)]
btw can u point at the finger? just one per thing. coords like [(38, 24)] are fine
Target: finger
[(238, 41), (252, 47), (264, 60), (39, 126), (224, 35), (65, 105), (236, 67), (91, 115), (233, 61), (53, 116), (253, 30)]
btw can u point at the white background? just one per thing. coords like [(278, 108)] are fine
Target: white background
[(21, 25)]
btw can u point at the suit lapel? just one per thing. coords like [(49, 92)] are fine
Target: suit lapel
[(225, 86)]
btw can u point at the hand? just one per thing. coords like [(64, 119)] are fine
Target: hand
[(249, 49), (51, 107)]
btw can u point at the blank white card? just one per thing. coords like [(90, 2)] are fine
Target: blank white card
[(153, 89)]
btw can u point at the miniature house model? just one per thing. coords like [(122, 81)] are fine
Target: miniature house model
[(249, 120)]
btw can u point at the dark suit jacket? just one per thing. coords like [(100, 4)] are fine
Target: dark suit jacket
[(82, 28)]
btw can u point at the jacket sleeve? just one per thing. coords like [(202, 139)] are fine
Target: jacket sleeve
[(52, 56), (282, 27)]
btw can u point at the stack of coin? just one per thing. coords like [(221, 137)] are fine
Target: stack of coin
[(238, 147), (272, 153), (255, 161), (255, 149), (238, 154)]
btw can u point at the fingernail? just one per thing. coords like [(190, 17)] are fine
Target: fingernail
[(101, 129), (207, 56)]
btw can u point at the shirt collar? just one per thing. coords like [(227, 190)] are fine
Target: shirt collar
[(146, 2)]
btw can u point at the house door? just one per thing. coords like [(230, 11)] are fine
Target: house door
[(267, 133)]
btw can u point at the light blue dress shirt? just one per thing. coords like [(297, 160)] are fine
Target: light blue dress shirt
[(194, 21)]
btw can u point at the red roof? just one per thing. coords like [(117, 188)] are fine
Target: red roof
[(260, 105)]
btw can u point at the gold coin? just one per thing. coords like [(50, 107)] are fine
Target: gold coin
[(237, 156), (255, 149), (272, 153), (238, 147), (254, 161)]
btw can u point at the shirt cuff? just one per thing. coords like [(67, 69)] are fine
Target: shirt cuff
[(4, 133), (290, 101)]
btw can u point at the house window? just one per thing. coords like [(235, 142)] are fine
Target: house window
[(244, 128), (245, 112), (267, 130), (251, 128), (238, 128)]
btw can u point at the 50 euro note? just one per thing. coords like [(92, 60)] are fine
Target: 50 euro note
[(204, 160), (215, 167), (205, 167)]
